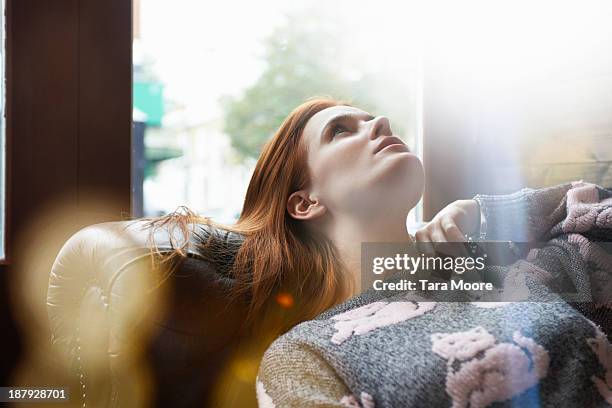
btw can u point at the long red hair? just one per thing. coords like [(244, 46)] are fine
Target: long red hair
[(284, 271)]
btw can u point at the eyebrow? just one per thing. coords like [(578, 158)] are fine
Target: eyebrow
[(343, 116)]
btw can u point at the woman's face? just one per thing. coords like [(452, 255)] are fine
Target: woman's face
[(358, 167)]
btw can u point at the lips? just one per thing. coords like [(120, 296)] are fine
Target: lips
[(387, 141)]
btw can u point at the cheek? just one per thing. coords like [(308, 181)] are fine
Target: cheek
[(339, 172)]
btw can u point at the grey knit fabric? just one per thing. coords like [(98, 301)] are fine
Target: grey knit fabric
[(377, 351)]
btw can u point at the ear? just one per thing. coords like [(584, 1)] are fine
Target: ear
[(302, 207)]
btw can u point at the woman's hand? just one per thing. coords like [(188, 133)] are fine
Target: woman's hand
[(451, 224)]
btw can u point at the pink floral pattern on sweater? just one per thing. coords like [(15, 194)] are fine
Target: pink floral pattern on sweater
[(375, 315), (603, 350), (480, 372), (584, 210), (350, 401)]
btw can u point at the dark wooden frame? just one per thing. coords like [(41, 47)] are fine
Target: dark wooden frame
[(68, 118), (69, 104)]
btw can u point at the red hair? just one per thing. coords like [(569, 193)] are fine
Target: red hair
[(286, 272)]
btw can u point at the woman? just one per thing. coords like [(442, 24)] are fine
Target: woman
[(316, 193), (331, 178)]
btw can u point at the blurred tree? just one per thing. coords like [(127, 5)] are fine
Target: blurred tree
[(303, 59)]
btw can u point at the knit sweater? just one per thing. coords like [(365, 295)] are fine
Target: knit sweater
[(377, 350)]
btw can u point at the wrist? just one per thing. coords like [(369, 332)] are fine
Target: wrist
[(481, 225)]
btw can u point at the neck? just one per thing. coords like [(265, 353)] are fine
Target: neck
[(348, 235)]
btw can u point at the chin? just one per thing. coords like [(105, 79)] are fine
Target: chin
[(402, 178), (393, 187)]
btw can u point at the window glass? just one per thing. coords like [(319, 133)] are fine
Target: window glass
[(213, 81)]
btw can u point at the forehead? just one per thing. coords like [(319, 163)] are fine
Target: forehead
[(317, 122)]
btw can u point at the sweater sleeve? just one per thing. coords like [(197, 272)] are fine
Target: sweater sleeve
[(293, 375), (524, 216)]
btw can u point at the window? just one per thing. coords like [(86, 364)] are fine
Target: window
[(519, 96), (213, 81)]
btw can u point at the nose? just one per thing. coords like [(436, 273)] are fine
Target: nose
[(380, 127)]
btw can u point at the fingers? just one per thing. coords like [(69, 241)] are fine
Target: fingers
[(424, 242), (453, 233), (440, 231), (436, 236), (428, 239)]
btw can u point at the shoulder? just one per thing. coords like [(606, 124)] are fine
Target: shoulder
[(294, 374)]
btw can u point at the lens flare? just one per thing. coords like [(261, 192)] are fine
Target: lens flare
[(285, 300)]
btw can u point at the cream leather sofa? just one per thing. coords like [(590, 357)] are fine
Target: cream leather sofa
[(131, 336)]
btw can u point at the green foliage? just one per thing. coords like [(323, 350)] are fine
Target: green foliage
[(303, 59)]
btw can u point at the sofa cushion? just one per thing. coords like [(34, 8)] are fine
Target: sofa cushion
[(113, 318)]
